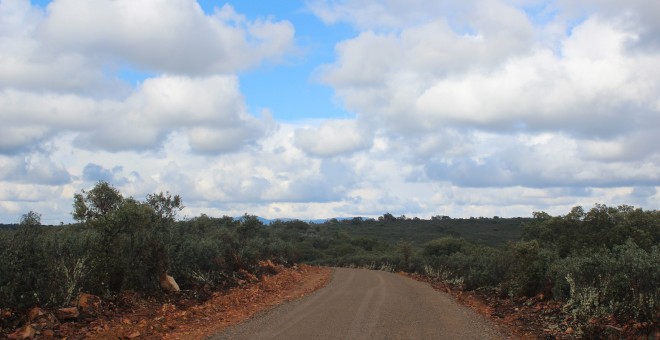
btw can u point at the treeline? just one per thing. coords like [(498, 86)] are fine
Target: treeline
[(124, 244), (604, 262)]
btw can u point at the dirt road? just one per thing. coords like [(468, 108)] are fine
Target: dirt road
[(364, 304)]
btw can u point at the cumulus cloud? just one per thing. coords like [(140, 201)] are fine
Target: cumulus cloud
[(538, 161), (94, 173), (595, 84), (643, 192), (209, 110), (497, 103), (28, 192), (27, 63), (62, 101), (33, 169), (638, 15), (57, 64), (19, 139), (276, 172), (333, 138), (472, 108), (33, 118), (165, 36)]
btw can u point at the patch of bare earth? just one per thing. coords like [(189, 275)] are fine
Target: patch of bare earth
[(240, 304), (184, 315)]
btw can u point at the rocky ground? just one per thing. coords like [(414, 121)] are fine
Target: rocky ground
[(182, 315)]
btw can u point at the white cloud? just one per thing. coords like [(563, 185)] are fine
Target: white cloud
[(94, 173), (493, 108), (543, 166), (210, 109), (165, 36), (276, 179), (475, 108), (32, 169), (58, 74), (333, 138), (16, 139), (594, 84), (638, 15), (504, 101), (27, 63), (28, 192)]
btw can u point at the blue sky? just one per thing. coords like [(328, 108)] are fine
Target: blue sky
[(323, 108), (288, 88)]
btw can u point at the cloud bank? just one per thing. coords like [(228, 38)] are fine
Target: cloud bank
[(476, 108)]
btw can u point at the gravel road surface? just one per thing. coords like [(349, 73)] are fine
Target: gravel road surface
[(367, 304)]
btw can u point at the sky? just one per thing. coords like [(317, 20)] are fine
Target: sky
[(331, 108)]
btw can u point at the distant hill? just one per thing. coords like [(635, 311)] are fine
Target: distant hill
[(8, 226), (487, 231), (268, 221)]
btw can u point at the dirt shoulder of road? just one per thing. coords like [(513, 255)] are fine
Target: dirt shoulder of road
[(184, 315), (242, 303), (538, 317), (512, 320)]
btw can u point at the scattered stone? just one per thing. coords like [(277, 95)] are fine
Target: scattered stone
[(41, 319), (133, 335), (183, 316), (168, 284), (89, 304), (35, 313), (27, 332), (68, 313), (618, 329), (269, 267)]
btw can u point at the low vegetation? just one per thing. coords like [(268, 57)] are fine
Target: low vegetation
[(600, 263)]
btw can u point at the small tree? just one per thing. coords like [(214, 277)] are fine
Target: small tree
[(165, 205), (97, 203), (21, 282), (387, 217)]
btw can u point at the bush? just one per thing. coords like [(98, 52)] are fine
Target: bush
[(198, 260), (460, 261), (622, 282), (27, 266), (528, 273), (445, 246)]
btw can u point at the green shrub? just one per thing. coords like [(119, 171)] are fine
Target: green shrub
[(528, 273), (26, 266), (445, 246), (622, 282), (457, 260)]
